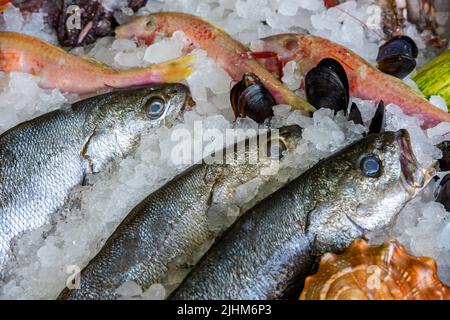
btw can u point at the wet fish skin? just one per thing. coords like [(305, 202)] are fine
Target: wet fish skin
[(43, 159), (170, 223), (274, 244), (228, 53), (366, 82), (57, 68)]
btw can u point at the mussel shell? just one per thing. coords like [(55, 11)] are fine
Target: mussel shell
[(355, 115), (378, 123), (397, 66), (367, 272), (235, 93), (339, 70), (326, 86), (399, 45), (397, 56), (257, 102), (250, 98), (444, 162), (443, 192)]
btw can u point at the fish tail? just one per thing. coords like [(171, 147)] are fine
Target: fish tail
[(177, 69), (298, 103), (4, 5)]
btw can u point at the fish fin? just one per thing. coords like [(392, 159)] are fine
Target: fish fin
[(215, 26), (177, 69), (110, 86), (95, 62), (378, 123), (271, 60), (355, 115), (298, 103), (85, 181), (84, 151), (305, 225)]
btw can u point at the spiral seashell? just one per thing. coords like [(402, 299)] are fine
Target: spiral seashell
[(385, 272)]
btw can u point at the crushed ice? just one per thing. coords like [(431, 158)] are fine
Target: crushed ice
[(42, 264)]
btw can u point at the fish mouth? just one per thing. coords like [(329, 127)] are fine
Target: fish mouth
[(414, 176)]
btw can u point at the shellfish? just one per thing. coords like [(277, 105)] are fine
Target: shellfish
[(444, 162), (443, 192), (427, 15), (250, 98), (397, 56), (327, 86), (366, 272)]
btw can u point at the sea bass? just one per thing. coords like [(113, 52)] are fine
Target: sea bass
[(228, 53), (173, 221), (43, 159), (274, 245), (366, 82), (57, 68)]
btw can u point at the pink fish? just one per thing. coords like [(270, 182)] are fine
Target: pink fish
[(366, 81), (57, 68)]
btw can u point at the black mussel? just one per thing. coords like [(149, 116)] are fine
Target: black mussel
[(327, 86), (443, 192), (397, 56), (444, 162), (355, 115), (378, 122), (339, 70), (250, 98), (398, 45)]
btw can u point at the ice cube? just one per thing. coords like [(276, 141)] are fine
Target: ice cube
[(156, 292), (290, 75), (129, 289), (439, 102), (166, 49)]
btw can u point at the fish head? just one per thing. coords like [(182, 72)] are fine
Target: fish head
[(119, 118), (140, 28), (144, 107), (285, 45), (306, 51), (365, 186)]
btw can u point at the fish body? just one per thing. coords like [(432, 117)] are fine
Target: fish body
[(366, 82), (228, 53), (57, 68), (43, 159), (170, 223), (273, 246)]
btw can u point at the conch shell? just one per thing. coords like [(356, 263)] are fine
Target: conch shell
[(385, 272)]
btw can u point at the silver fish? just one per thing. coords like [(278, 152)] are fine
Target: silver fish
[(273, 246), (173, 221), (43, 159)]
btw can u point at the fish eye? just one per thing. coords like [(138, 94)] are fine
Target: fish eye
[(154, 108), (291, 44), (371, 165), (150, 22), (276, 151)]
